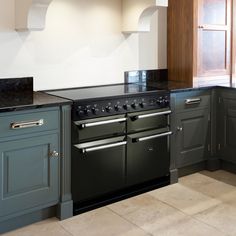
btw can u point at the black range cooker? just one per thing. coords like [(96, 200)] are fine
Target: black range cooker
[(120, 141)]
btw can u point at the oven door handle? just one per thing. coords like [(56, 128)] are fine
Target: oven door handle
[(153, 137), (105, 122), (98, 148), (151, 115)]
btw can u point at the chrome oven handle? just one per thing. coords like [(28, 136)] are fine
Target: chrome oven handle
[(193, 101), (26, 124), (105, 122), (153, 137), (151, 115), (92, 149)]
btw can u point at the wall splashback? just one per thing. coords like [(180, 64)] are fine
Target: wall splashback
[(82, 45)]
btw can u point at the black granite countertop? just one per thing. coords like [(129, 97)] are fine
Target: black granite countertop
[(158, 78), (17, 102), (177, 87)]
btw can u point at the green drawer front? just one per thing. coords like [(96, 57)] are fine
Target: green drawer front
[(18, 123), (192, 100)]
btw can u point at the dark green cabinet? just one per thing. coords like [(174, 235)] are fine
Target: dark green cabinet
[(29, 173), (191, 126), (226, 126), (29, 162), (192, 137)]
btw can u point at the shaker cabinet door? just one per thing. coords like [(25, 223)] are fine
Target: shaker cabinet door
[(192, 137), (29, 173), (226, 129)]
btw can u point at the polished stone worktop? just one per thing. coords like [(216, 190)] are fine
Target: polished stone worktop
[(17, 94), (17, 102), (177, 87), (159, 80)]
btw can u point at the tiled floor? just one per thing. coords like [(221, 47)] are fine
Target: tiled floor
[(200, 204)]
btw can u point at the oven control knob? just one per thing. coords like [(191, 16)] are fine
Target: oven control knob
[(126, 106), (160, 102), (141, 104), (94, 110), (117, 107), (134, 105), (167, 102), (108, 108), (87, 111)]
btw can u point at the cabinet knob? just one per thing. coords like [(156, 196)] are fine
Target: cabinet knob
[(54, 154), (180, 129), (200, 27)]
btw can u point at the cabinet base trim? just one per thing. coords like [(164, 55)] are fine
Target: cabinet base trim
[(27, 219), (228, 166), (188, 170), (65, 210), (174, 174)]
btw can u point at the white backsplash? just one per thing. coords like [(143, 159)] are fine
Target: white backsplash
[(82, 45)]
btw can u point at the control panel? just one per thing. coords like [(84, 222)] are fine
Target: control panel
[(91, 109)]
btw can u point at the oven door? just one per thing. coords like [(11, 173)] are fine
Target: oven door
[(148, 156), (99, 127), (98, 168), (153, 119)]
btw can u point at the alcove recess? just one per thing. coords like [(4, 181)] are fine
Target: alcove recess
[(137, 14), (31, 14)]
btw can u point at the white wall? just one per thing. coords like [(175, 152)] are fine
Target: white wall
[(82, 45)]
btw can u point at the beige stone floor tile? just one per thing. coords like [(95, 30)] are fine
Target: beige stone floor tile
[(221, 175), (49, 227), (222, 217), (188, 227), (184, 198), (148, 213), (100, 222), (208, 186), (133, 204)]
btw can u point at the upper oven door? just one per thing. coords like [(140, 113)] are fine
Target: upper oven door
[(153, 119), (98, 128)]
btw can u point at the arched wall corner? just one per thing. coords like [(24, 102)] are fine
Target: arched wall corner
[(137, 14), (31, 14)]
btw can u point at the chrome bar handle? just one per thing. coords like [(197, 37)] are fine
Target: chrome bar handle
[(106, 122), (92, 149), (192, 101), (27, 124), (152, 115), (153, 136)]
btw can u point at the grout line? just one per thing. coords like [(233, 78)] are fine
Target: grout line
[(66, 229), (137, 226), (211, 226)]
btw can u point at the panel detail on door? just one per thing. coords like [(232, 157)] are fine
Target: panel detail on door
[(192, 136), (29, 175), (227, 128), (19, 179)]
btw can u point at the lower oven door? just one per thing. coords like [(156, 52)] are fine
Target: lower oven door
[(148, 156), (98, 168)]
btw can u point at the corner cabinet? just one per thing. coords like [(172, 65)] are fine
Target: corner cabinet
[(192, 118), (226, 126)]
